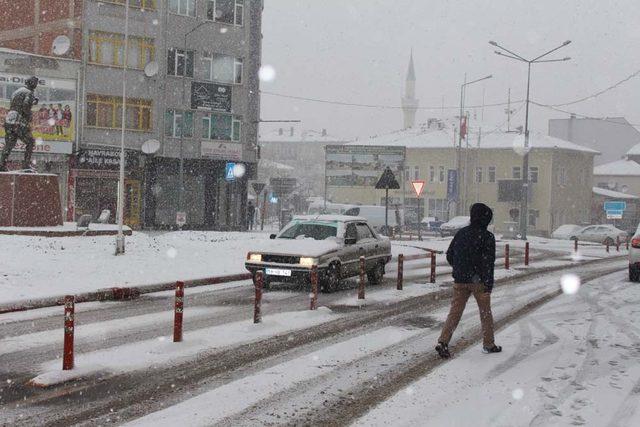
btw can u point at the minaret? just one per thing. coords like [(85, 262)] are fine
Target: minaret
[(409, 101)]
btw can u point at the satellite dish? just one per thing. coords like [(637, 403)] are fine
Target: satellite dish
[(61, 45), (151, 146), (151, 69)]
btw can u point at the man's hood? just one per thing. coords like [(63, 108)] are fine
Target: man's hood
[(481, 215)]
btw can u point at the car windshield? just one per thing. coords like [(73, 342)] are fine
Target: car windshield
[(311, 230)]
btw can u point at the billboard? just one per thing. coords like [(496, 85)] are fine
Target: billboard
[(360, 165), (210, 96), (53, 122)]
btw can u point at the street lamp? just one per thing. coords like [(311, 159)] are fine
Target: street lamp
[(525, 159), (459, 150), (121, 198), (183, 117)]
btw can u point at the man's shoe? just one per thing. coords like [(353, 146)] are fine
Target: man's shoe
[(494, 349), (443, 350)]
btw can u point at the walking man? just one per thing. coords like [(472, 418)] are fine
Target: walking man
[(472, 254), (17, 124), (251, 213)]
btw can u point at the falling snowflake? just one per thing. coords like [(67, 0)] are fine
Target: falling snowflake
[(223, 30), (409, 391), (172, 252), (570, 283), (267, 73), (517, 394)]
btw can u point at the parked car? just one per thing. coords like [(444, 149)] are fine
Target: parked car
[(634, 257), (603, 233), (432, 224), (452, 226), (334, 243), (566, 231), (375, 216)]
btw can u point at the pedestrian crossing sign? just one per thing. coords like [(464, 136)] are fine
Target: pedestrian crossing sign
[(228, 172)]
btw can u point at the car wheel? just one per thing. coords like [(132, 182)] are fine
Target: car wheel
[(376, 275), (634, 274), (331, 278)]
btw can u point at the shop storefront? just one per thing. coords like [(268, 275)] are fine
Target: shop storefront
[(93, 185), (210, 201)]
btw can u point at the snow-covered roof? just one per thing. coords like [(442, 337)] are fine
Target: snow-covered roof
[(424, 137), (614, 194), (634, 151), (293, 134), (619, 167)]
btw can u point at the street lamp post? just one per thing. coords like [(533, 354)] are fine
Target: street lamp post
[(524, 201), (121, 194), (183, 116), (459, 204)]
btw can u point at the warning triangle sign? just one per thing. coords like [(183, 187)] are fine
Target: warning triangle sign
[(418, 186), (388, 181)]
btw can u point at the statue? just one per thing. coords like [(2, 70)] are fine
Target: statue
[(17, 123)]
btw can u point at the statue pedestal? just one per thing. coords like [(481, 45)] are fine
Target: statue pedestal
[(29, 200)]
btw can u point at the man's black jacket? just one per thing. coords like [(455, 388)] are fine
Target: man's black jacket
[(472, 252)]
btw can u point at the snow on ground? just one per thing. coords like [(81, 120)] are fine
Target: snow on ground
[(237, 395), (574, 361), (162, 350), (38, 267)]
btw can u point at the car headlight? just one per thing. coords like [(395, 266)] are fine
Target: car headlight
[(255, 257), (308, 262)]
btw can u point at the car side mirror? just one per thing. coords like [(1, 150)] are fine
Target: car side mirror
[(272, 236), (349, 240)]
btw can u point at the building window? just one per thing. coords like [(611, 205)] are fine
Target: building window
[(492, 174), (222, 68), (562, 176), (479, 175), (533, 217), (224, 127), (106, 112), (108, 49), (416, 172), (516, 172), (225, 11), (432, 174), (180, 62), (441, 173), (183, 7), (173, 123), (533, 174), (407, 173), (140, 4)]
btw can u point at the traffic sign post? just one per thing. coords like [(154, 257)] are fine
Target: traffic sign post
[(387, 181), (615, 209), (418, 186), (258, 187)]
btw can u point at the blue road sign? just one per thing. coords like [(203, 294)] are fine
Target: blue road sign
[(615, 206), (228, 172)]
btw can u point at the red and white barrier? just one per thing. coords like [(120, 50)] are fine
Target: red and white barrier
[(400, 271), (506, 257), (313, 305), (361, 284), (69, 322), (178, 312), (432, 275), (257, 305)]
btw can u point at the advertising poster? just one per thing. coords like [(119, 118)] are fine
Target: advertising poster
[(53, 122), (210, 96), (361, 165)]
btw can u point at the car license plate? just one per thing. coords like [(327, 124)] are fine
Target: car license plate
[(278, 272)]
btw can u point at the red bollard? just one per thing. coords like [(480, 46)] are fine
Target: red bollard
[(506, 256), (257, 306), (618, 244), (314, 288), (178, 312), (361, 284), (400, 271), (432, 275), (69, 312), (575, 245), (526, 253)]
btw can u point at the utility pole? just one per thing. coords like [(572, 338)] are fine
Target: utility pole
[(524, 204)]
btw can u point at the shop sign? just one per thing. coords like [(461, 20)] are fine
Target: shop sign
[(44, 147), (221, 150), (210, 96), (104, 159)]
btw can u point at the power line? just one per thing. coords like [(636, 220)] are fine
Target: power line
[(382, 106), (595, 95), (583, 116)]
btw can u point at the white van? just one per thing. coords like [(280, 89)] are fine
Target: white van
[(375, 215), (318, 208)]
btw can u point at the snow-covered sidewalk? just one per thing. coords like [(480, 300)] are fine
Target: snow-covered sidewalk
[(574, 361)]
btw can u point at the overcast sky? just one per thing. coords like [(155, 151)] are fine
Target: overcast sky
[(357, 51)]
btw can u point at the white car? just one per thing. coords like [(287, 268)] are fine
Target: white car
[(566, 231), (452, 226), (603, 233), (634, 257)]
